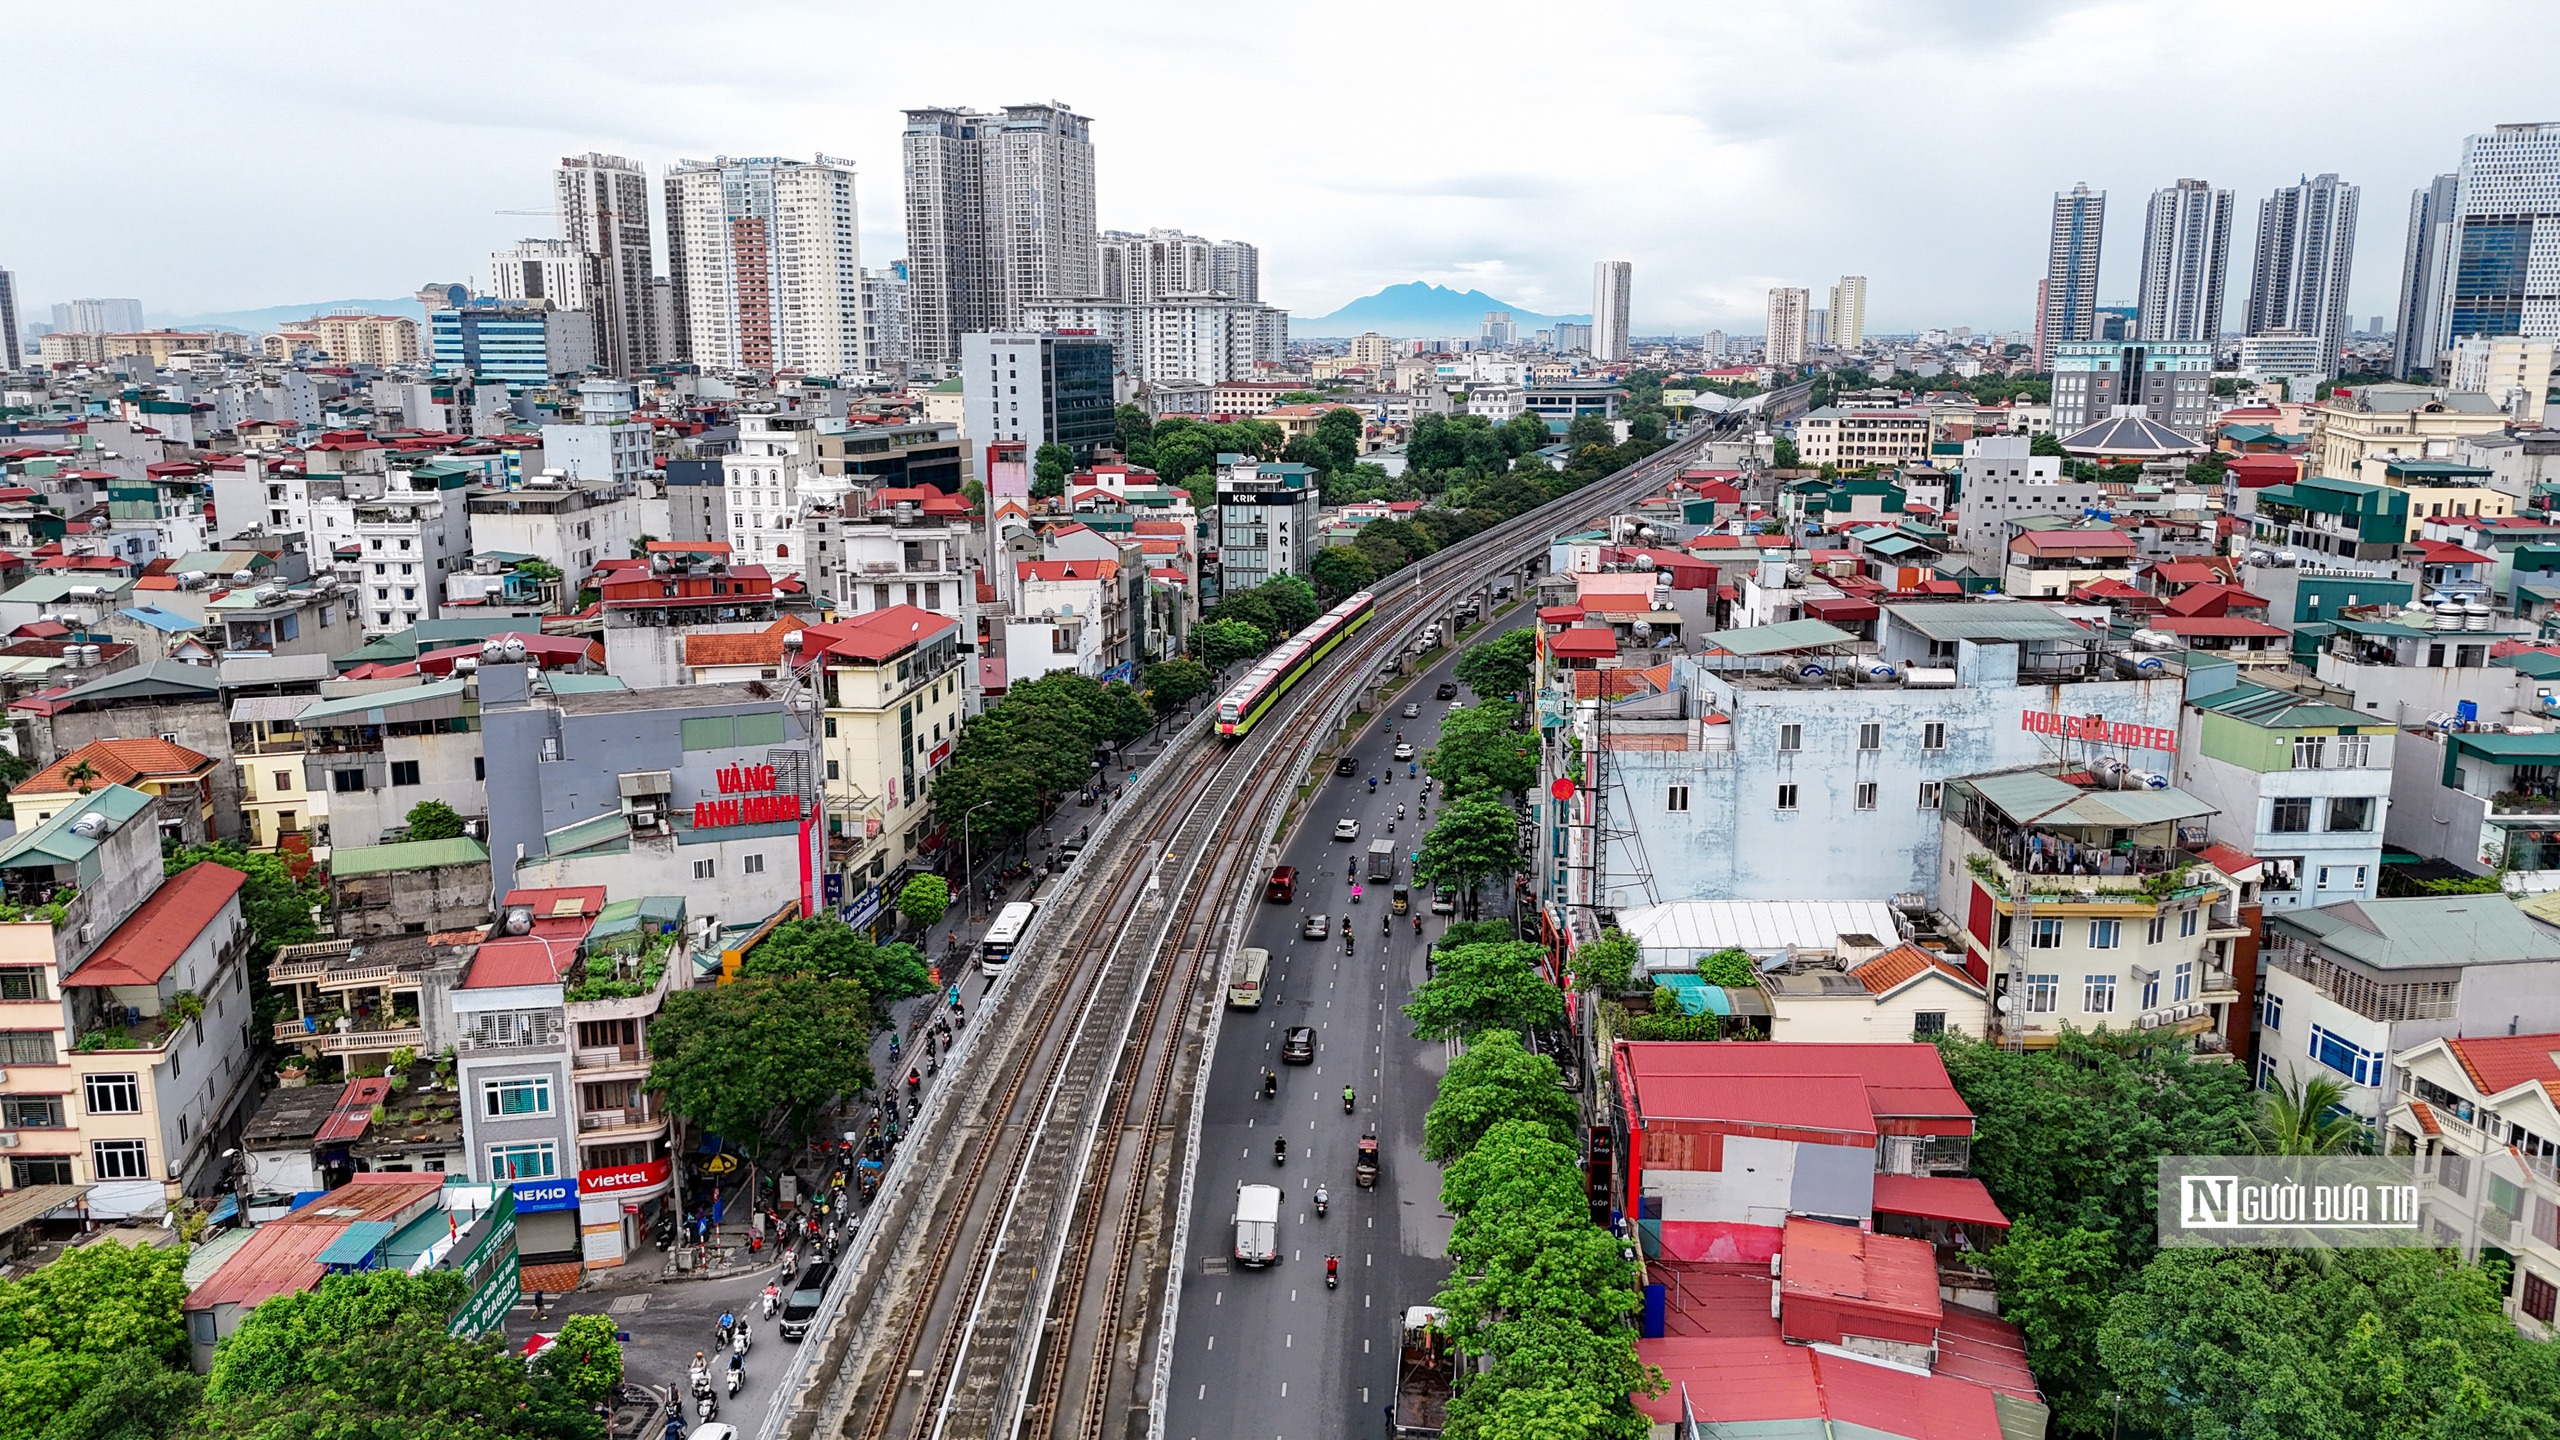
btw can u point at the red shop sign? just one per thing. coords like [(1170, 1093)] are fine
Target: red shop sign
[(614, 1178)]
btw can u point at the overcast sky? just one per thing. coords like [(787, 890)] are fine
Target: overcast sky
[(207, 158)]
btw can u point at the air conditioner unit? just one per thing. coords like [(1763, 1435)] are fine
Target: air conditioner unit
[(8, 1142), (2151, 1021)]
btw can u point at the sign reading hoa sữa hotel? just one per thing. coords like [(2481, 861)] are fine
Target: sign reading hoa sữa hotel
[(2097, 730)]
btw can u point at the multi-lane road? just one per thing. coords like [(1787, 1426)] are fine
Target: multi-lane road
[(1271, 1351)]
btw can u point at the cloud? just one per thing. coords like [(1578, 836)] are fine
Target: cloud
[(211, 159)]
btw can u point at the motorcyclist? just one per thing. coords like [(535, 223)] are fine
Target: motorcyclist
[(772, 1299), (1322, 1199), (1349, 1097), (1399, 810), (1373, 784), (915, 1082), (1270, 1083), (1280, 1149), (1417, 927), (1386, 924), (728, 1326)]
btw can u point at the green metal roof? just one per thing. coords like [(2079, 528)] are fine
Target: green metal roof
[(2498, 749), (1987, 620), (587, 834), (2034, 796), (1782, 637), (55, 843), (407, 855), (355, 1243), (2539, 664), (2283, 710), (2387, 629), (2434, 470), (368, 708), (2424, 932), (563, 683)]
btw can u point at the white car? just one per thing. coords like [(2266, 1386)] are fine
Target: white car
[(1346, 828), (1404, 750), (714, 1431)]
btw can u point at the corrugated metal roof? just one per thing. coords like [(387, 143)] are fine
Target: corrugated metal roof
[(1986, 620), (269, 707), (2280, 709), (2508, 749), (564, 684), (406, 855), (2024, 795), (1784, 636), (2425, 931), (2127, 808), (369, 708), (1674, 935), (356, 1242)]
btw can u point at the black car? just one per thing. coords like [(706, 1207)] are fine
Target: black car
[(1347, 765), (1448, 691), (801, 1305), (1298, 1046)]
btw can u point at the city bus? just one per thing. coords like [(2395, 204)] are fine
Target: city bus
[(995, 948)]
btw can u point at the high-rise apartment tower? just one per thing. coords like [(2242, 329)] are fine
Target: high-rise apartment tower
[(2306, 251), (1000, 212), (1612, 286), (2186, 251), (603, 203), (1785, 346), (2423, 254), (2067, 301), (1847, 324), (766, 266)]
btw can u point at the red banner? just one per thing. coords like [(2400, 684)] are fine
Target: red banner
[(616, 1178)]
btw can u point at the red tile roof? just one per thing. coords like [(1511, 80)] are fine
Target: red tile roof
[(2218, 626), (2227, 859), (354, 1111), (754, 647), (2064, 542), (1883, 974), (2445, 552), (2500, 1063), (141, 950), (2425, 1115), (118, 762), (1065, 569), (879, 635)]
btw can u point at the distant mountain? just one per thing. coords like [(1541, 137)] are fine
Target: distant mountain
[(1415, 309), (259, 322)]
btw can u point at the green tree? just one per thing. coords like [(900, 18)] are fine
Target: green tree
[(1646, 426), (2047, 444), (1475, 932), (924, 900), (1131, 427), (1050, 465), (2054, 1285), (1500, 665), (1476, 838), (366, 1357), (1482, 750), (434, 820), (133, 1396), (277, 906), (2207, 472), (1604, 966), (1183, 448), (1340, 571), (1475, 988), (1493, 1080), (1172, 684), (68, 1323), (584, 1359), (1525, 434), (1783, 454), (1588, 431), (1292, 600), (2301, 1115), (756, 1061), (1730, 968), (822, 947), (1221, 643)]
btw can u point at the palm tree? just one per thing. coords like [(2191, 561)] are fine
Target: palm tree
[(2299, 1116), (80, 775)]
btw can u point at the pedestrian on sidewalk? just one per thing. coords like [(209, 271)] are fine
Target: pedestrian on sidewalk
[(540, 1302)]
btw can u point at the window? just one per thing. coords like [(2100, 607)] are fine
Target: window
[(2310, 751), (479, 767), (705, 869), (2292, 815), (2271, 1012), (284, 780), (1790, 737), (2354, 752), (2183, 983), (1866, 795), (1928, 1024), (22, 982), (2044, 935), (2105, 934), (346, 781), (404, 772), (1786, 797), (2044, 994), (1676, 798), (112, 1094), (26, 1047), (2350, 813), (1929, 792), (2098, 994), (120, 1159), (516, 1095), (2540, 1297), (1871, 735), (751, 865), (31, 1112), (1933, 736), (2159, 928), (2358, 1064), (2187, 922), (530, 1160)]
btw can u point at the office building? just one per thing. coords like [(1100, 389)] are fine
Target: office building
[(1036, 388), (2172, 380), (2306, 249), (88, 317), (1848, 321), (1788, 319), (604, 215), (522, 344), (1817, 330), (1235, 268), (2285, 354), (2503, 265), (1267, 512), (11, 357), (2424, 255), (766, 264), (549, 272), (1000, 213), (1612, 282), (2186, 249), (2067, 298)]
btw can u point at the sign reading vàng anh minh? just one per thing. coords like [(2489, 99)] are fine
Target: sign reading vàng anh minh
[(753, 802)]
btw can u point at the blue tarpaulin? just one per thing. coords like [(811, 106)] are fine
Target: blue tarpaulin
[(1697, 997)]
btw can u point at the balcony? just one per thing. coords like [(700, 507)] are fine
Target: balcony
[(611, 1057), (619, 1124), (356, 1040)]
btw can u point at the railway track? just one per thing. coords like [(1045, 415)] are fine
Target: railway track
[(994, 1296)]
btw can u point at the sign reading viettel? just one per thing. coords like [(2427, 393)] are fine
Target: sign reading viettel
[(622, 1179), (2097, 730), (756, 803)]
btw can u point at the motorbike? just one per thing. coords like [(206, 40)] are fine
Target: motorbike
[(1373, 784), (707, 1408), (1270, 1085), (1347, 1099), (1386, 924), (1348, 947), (1332, 1272), (737, 1377), (1280, 1151), (701, 1379), (738, 1342), (773, 1293), (1320, 1201), (728, 1328)]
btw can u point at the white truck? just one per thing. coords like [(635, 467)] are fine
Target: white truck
[(1257, 1225)]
